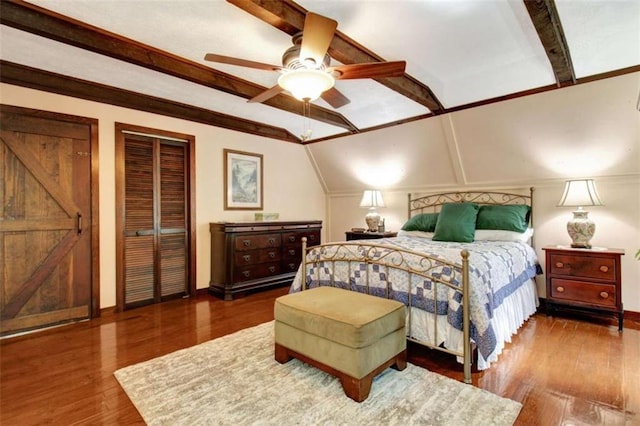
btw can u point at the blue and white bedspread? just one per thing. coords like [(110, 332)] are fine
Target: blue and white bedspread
[(497, 269)]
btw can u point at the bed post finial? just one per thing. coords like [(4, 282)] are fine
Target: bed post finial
[(466, 319)]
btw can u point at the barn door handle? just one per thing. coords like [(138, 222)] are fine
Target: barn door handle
[(79, 222)]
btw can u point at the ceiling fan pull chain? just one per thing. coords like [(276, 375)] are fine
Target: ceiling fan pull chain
[(306, 121)]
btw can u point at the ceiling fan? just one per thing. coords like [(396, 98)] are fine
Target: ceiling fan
[(306, 72)]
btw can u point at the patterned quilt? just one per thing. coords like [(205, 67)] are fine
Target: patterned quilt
[(496, 270)]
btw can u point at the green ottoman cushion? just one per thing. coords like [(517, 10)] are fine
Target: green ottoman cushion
[(352, 319)]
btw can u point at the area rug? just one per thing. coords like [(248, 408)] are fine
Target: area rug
[(234, 380)]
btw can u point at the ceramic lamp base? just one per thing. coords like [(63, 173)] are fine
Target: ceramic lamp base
[(373, 220), (581, 229)]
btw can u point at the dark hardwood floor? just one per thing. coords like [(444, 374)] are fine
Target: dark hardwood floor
[(565, 370)]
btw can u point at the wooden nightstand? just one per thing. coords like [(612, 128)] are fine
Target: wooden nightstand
[(584, 279), (369, 235)]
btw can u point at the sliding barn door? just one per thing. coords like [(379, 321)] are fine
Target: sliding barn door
[(155, 233), (46, 246)]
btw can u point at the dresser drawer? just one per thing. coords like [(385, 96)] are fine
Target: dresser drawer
[(252, 242), (290, 265), (253, 257), (255, 272), (295, 238), (602, 268), (584, 292)]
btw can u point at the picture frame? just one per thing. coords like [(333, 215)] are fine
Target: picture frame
[(243, 180)]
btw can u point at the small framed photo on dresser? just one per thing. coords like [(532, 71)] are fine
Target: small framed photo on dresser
[(242, 180)]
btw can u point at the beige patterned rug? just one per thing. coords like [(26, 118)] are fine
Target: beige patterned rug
[(234, 380)]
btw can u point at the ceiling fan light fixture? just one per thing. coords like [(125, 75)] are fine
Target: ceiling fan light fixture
[(306, 84)]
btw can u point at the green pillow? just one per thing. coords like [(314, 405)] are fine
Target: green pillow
[(425, 222), (456, 222), (508, 218)]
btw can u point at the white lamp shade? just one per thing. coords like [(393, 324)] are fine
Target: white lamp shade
[(580, 193), (372, 198)]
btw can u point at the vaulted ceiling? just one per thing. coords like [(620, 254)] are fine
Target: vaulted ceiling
[(149, 55)]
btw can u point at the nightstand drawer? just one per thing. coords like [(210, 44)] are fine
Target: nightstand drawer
[(584, 292), (602, 268)]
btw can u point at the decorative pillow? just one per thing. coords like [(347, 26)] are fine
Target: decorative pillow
[(501, 235), (425, 222), (417, 234), (456, 222), (508, 217)]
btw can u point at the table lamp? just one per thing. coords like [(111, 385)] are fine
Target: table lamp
[(371, 199), (580, 193)]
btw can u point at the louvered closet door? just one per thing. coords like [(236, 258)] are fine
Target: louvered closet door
[(155, 225)]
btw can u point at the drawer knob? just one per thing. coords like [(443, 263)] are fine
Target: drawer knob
[(559, 265), (247, 274), (246, 243), (246, 257), (604, 268), (292, 252), (272, 269), (560, 289), (312, 237), (272, 255), (292, 239), (604, 294)]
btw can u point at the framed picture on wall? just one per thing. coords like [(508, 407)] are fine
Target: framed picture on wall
[(242, 180)]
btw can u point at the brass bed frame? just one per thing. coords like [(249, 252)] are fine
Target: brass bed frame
[(415, 263)]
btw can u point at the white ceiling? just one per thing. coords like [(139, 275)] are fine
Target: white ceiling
[(466, 51)]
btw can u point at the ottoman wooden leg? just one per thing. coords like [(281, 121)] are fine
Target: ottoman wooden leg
[(358, 390), (282, 354), (401, 361)]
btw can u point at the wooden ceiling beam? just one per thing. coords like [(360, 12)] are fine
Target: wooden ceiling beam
[(20, 75), (45, 23), (546, 21), (288, 16)]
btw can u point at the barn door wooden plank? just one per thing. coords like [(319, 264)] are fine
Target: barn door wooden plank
[(31, 285), (35, 168)]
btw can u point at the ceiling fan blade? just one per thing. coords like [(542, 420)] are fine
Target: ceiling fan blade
[(316, 37), (212, 57), (370, 70), (335, 98), (267, 94)]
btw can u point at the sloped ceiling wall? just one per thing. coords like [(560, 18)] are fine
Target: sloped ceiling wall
[(592, 129)]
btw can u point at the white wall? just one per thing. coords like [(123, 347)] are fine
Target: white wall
[(588, 130), (291, 186)]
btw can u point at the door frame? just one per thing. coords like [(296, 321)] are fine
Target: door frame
[(189, 141), (92, 123)]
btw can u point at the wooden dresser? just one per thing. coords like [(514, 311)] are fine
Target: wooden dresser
[(254, 255), (584, 279)]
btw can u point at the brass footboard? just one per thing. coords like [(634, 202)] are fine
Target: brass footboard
[(392, 260)]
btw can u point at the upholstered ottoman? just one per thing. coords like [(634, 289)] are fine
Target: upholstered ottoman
[(350, 335)]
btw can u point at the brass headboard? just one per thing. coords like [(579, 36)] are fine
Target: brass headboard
[(432, 203)]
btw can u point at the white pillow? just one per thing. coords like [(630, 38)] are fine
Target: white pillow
[(500, 235), (419, 234)]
